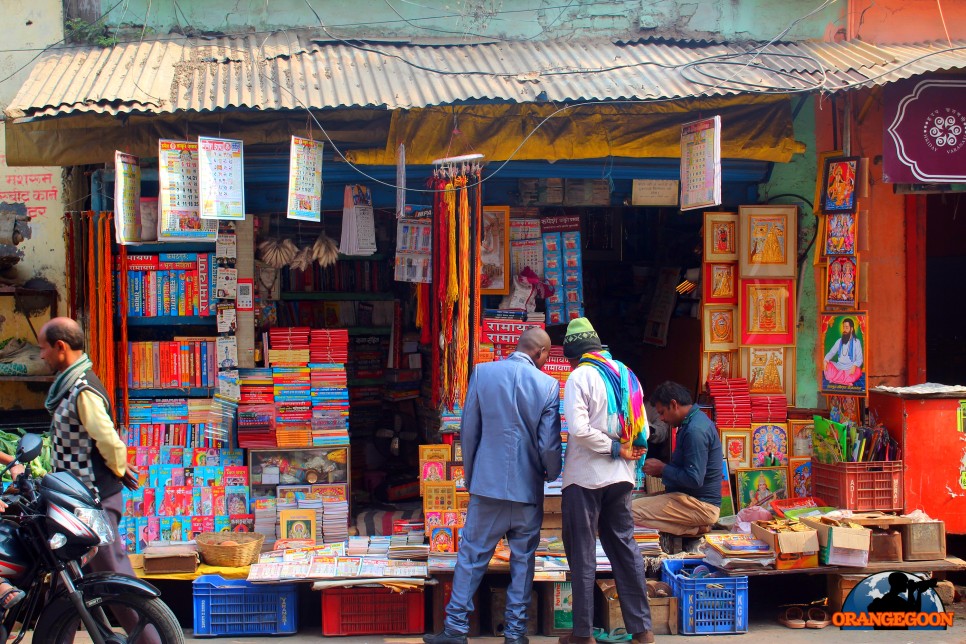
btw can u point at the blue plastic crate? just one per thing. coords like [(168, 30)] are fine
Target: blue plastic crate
[(236, 607), (708, 605)]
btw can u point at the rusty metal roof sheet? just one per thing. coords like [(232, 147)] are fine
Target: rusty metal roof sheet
[(297, 69)]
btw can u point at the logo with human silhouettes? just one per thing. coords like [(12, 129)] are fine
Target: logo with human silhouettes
[(894, 601)]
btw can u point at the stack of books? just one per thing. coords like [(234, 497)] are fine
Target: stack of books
[(737, 552), (293, 406), (648, 540), (732, 403), (266, 518), (335, 519), (256, 426), (256, 386), (329, 345), (330, 405), (769, 409), (288, 345), (315, 504)]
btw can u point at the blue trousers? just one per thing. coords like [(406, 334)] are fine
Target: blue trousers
[(487, 521)]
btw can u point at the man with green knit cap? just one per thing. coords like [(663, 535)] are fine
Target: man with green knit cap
[(607, 436)]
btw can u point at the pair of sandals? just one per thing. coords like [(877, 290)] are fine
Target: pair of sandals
[(10, 595), (814, 615)]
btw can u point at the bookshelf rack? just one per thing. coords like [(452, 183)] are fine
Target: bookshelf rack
[(172, 320), (184, 392), (337, 296)]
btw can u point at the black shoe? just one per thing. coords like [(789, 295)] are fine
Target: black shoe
[(445, 637), (523, 639)]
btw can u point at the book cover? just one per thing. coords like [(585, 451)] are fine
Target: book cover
[(232, 457), (235, 475), (348, 566), (236, 498), (142, 262), (242, 522), (323, 567), (204, 296), (297, 524), (442, 540), (222, 524)]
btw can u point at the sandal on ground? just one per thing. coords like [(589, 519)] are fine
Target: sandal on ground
[(10, 597), (818, 617), (616, 635), (792, 617)]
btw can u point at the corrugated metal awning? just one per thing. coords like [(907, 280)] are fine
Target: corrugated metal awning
[(296, 69)]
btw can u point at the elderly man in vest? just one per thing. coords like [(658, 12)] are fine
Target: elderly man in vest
[(85, 440)]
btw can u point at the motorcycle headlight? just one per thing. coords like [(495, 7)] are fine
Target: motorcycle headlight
[(97, 521)]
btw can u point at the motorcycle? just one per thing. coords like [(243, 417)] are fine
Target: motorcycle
[(49, 531)]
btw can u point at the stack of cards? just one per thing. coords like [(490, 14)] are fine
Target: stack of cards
[(769, 409), (732, 403)]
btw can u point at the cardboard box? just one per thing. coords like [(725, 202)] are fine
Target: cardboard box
[(498, 612), (557, 608), (793, 550), (886, 546), (664, 610), (552, 504), (169, 559), (924, 541), (842, 546), (839, 587)]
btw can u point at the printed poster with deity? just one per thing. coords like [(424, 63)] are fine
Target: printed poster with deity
[(127, 198), (701, 163), (221, 178), (178, 218), (305, 180)]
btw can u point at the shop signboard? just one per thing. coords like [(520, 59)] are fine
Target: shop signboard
[(925, 131)]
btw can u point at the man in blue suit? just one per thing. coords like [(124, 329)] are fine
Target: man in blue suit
[(511, 444)]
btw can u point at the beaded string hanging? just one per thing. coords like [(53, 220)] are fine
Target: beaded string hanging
[(461, 346)]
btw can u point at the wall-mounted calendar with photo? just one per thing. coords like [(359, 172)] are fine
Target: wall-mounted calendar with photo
[(701, 163), (178, 217), (305, 180), (221, 178)]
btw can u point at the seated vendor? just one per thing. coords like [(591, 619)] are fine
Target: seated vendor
[(692, 479)]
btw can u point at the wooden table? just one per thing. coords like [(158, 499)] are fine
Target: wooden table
[(948, 564)]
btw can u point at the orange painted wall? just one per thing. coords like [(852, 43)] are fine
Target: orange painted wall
[(905, 21)]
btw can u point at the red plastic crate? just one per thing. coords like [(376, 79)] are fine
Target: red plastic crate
[(860, 486), (372, 611)]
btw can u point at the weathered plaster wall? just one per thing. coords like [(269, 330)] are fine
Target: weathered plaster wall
[(794, 183), (898, 21), (470, 19), (30, 27)]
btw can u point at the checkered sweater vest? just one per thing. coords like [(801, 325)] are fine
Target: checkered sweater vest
[(73, 448)]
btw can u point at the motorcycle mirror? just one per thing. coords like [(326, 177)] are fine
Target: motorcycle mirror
[(28, 448)]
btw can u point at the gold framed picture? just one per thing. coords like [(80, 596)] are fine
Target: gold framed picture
[(767, 312), (736, 445), (769, 370), (768, 241), (495, 251), (719, 327), (800, 438), (720, 236), (760, 486), (719, 365)]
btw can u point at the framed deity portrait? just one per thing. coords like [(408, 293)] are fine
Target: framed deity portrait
[(760, 486), (767, 312), (841, 233), (769, 444), (720, 281), (736, 445), (495, 251), (768, 241), (769, 370), (720, 237), (800, 477), (839, 177), (719, 327), (845, 352), (800, 438), (842, 282), (845, 409), (719, 365)]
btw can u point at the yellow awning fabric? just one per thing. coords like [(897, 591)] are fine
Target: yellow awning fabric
[(753, 127)]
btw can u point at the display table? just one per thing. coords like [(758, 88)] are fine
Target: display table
[(203, 569), (949, 564)]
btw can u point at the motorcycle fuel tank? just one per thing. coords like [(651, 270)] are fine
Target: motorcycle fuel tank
[(68, 490), (14, 559)]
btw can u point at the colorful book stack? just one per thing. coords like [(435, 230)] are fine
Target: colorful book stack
[(266, 515), (293, 406), (181, 363), (648, 540), (288, 346), (732, 404), (769, 409), (256, 426), (450, 420), (170, 284), (330, 405), (257, 386), (170, 421), (335, 512), (184, 491)]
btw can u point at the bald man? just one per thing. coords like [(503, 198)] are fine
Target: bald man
[(85, 440), (510, 434)]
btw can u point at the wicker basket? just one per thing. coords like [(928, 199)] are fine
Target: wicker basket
[(249, 545)]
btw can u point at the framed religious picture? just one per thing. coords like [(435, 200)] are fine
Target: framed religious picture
[(841, 233), (767, 312), (838, 185), (842, 282), (720, 237), (769, 444), (845, 409), (727, 498), (769, 370), (800, 438), (435, 452), (719, 330), (800, 477), (736, 445), (768, 241), (495, 251), (760, 486), (845, 352), (720, 282), (719, 365)]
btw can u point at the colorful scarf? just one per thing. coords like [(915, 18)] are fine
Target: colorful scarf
[(65, 380), (624, 396)]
